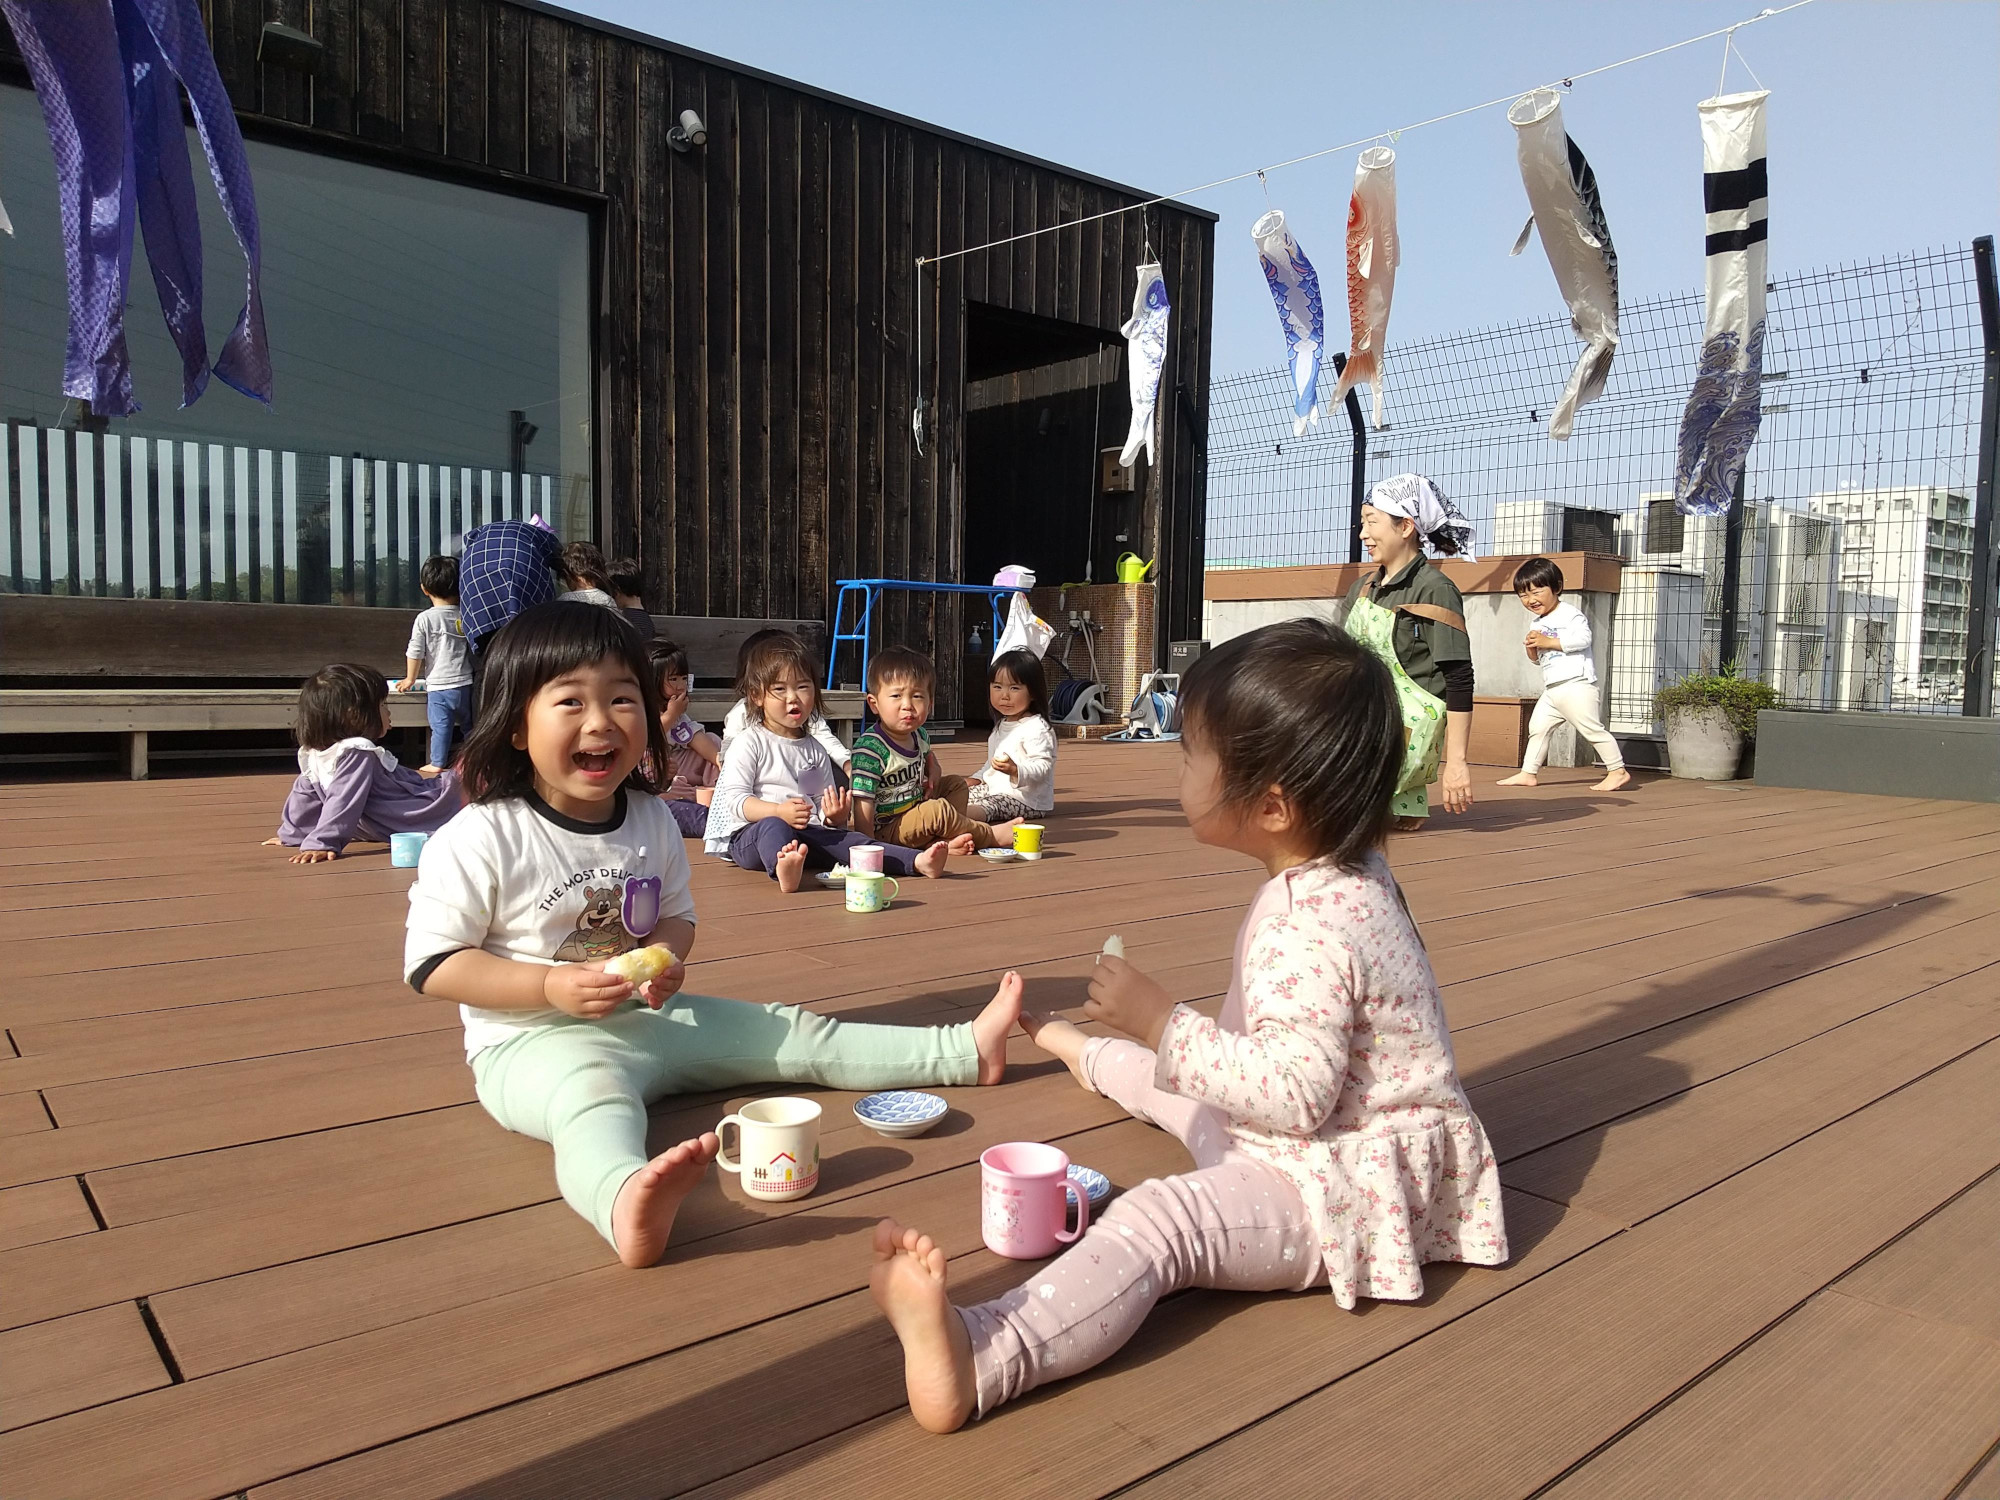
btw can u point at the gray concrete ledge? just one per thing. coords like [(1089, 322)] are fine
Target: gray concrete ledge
[(1890, 755)]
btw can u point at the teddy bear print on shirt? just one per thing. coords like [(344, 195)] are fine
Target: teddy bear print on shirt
[(600, 933)]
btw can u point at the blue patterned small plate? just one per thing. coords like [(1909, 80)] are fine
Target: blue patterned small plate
[(1092, 1181), (900, 1112)]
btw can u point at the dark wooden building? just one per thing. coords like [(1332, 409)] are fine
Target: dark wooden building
[(756, 306)]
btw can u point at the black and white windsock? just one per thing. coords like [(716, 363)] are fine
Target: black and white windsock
[(1564, 206), (1726, 405)]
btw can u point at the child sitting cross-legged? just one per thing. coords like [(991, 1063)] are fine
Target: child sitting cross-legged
[(900, 793), (1332, 1141), (350, 787), (1018, 780), (562, 865), (778, 804)]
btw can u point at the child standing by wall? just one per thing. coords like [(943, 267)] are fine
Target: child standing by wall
[(349, 787), (779, 805), (900, 792), (1332, 1141), (1559, 642), (556, 867), (1018, 780), (694, 756), (440, 654)]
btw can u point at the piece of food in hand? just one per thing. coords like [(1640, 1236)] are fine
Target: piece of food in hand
[(1115, 946), (642, 964)]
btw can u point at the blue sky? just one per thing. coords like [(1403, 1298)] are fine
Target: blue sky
[(1884, 123)]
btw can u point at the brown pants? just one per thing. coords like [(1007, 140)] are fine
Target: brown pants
[(943, 816)]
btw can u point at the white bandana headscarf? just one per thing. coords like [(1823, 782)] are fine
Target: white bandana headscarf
[(1415, 498)]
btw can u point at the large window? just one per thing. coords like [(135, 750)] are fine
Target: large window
[(431, 350)]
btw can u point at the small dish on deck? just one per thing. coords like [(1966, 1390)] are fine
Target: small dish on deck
[(900, 1113), (998, 856), (1096, 1186)]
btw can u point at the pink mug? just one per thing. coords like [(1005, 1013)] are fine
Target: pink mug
[(865, 859), (1024, 1192)]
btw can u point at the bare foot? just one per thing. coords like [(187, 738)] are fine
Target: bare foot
[(791, 866), (1005, 831), (1058, 1038), (1410, 825), (643, 1215), (965, 843), (930, 864), (1613, 780), (1519, 778), (991, 1025), (907, 1282)]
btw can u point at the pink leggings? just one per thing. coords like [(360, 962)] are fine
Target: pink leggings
[(1235, 1224)]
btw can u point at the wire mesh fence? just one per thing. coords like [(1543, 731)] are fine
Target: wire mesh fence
[(1856, 559)]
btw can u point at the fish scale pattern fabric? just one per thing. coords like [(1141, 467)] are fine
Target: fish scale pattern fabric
[(109, 75), (1146, 340), (1373, 253), (1725, 404), (1295, 288)]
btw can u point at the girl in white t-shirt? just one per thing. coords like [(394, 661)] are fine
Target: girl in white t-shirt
[(1019, 777), (560, 863)]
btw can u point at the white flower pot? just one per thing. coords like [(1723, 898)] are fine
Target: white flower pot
[(1702, 745)]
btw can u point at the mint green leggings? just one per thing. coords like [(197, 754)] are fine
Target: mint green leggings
[(583, 1086)]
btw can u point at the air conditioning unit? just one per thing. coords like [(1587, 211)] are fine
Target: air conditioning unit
[(1590, 531), (1666, 527)]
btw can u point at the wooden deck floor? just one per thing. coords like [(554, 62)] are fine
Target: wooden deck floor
[(1736, 1047)]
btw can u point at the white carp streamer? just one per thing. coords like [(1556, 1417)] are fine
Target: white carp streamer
[(1146, 344)]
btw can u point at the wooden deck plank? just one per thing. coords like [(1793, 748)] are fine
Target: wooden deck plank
[(1944, 1268), (72, 1364), (1715, 1271), (23, 1114), (1841, 1399), (43, 1211)]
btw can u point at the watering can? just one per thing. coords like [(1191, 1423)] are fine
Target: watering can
[(1132, 568)]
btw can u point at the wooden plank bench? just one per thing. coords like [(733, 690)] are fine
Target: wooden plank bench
[(138, 667)]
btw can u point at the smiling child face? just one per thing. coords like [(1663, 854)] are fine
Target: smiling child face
[(585, 731)]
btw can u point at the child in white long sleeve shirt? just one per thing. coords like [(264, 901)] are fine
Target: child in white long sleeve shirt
[(1332, 1141), (1560, 644), (1019, 777)]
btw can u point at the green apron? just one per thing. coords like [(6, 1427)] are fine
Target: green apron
[(1423, 711)]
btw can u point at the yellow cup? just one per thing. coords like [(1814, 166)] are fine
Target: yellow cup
[(1028, 839)]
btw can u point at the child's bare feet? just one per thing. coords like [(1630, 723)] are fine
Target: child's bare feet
[(908, 1284), (964, 844), (1613, 780), (1058, 1038), (1519, 778), (930, 864), (1005, 831), (643, 1215), (791, 866), (1409, 825), (991, 1026)]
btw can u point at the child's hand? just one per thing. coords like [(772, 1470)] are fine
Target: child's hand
[(585, 990), (274, 843), (314, 856), (406, 684), (1004, 764), (835, 805), (661, 988), (797, 812), (1126, 1000), (1543, 642)]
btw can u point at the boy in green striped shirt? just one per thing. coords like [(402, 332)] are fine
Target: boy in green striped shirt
[(900, 794)]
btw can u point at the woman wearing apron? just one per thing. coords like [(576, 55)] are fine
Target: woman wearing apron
[(1412, 616)]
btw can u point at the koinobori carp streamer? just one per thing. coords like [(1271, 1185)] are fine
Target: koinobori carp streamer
[(1373, 254), (1146, 344), (1725, 406), (1295, 288), (1566, 210)]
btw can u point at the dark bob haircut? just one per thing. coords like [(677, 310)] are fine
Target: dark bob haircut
[(339, 703), (439, 577), (1538, 573), (1303, 706), (625, 576), (669, 658), (774, 655), (1025, 668), (583, 562), (900, 664), (524, 656)]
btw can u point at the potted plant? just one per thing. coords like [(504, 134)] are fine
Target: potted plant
[(1709, 720)]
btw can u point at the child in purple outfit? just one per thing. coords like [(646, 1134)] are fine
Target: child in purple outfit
[(349, 786)]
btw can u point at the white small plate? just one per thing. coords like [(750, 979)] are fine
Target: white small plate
[(831, 877), (998, 856), (900, 1113)]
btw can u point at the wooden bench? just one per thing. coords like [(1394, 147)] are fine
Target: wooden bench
[(138, 667)]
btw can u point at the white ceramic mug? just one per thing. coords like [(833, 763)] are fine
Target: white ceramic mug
[(865, 859), (869, 892), (777, 1148)]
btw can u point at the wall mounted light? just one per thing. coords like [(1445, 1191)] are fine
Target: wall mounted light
[(284, 46), (690, 132)]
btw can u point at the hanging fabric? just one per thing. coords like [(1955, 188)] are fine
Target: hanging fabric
[(1725, 406), (1295, 288), (1146, 355), (1564, 205), (1373, 253), (105, 72)]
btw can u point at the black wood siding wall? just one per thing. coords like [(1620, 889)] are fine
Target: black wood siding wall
[(756, 344)]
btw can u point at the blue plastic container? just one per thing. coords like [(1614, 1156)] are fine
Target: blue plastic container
[(405, 849)]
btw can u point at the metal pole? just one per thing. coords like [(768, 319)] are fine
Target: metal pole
[(1985, 556), (1357, 483), (1732, 573)]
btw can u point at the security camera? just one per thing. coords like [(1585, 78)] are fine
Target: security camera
[(688, 133)]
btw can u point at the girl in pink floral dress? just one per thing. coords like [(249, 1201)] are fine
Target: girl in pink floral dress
[(1332, 1141)]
